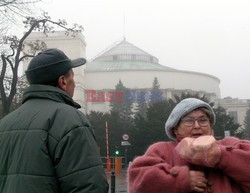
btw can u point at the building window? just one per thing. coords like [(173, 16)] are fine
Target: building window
[(234, 115)]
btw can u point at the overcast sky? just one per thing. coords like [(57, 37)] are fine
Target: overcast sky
[(211, 36)]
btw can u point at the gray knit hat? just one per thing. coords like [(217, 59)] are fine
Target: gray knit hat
[(181, 110)]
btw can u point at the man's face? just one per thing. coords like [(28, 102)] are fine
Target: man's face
[(70, 83), (194, 124)]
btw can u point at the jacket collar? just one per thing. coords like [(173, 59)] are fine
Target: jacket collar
[(35, 91)]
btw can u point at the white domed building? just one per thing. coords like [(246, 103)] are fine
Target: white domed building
[(137, 69)]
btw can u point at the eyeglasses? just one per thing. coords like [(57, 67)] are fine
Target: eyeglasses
[(203, 121)]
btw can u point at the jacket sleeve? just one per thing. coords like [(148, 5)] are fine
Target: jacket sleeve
[(235, 161), (77, 163), (151, 173)]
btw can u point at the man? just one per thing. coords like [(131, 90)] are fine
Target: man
[(47, 145)]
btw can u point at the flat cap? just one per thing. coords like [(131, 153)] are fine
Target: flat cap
[(48, 65)]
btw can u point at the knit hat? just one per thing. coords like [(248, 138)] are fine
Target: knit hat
[(181, 110), (48, 65)]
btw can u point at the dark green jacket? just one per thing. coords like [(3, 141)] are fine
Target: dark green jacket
[(46, 146)]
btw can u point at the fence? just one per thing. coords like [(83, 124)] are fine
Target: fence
[(113, 163)]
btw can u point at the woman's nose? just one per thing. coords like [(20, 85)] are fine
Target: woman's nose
[(196, 124)]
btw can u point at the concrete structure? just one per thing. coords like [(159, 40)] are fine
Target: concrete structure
[(235, 107)]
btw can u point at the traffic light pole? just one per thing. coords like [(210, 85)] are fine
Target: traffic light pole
[(113, 177), (126, 157), (113, 182)]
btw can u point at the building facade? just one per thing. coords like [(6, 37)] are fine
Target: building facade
[(136, 69)]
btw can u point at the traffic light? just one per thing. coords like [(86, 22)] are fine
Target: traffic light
[(117, 152)]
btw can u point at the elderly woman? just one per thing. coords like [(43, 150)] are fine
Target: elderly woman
[(194, 161)]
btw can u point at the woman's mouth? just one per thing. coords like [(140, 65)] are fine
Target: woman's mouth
[(196, 135)]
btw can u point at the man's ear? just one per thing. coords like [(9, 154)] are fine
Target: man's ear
[(62, 82)]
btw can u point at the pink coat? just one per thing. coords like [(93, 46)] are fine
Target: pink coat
[(161, 170)]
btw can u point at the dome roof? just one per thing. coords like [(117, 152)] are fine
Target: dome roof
[(124, 56)]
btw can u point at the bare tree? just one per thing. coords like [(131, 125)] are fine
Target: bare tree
[(11, 11), (22, 84), (17, 52)]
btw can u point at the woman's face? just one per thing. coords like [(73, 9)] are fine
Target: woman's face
[(194, 124)]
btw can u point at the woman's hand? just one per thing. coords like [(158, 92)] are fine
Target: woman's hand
[(202, 151), (198, 181)]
